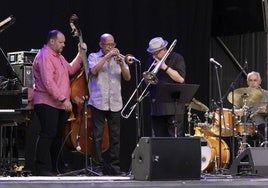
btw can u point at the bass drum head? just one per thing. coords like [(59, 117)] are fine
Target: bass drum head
[(210, 154), (206, 154)]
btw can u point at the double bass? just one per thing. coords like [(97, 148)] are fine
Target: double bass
[(78, 128)]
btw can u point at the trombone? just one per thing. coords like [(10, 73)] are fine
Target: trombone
[(150, 78)]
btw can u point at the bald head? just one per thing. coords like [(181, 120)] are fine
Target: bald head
[(106, 36)]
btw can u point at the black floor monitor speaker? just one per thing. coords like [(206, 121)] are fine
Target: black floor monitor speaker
[(165, 158), (252, 161)]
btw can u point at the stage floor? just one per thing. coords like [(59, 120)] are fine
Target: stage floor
[(219, 181)]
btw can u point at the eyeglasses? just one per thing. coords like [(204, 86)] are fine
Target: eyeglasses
[(253, 80), (109, 44)]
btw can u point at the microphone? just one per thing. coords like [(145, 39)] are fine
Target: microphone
[(215, 62), (135, 59), (129, 59)]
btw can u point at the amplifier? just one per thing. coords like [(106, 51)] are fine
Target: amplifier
[(21, 57), (25, 73)]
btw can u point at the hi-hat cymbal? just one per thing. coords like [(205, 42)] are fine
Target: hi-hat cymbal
[(197, 105), (249, 95)]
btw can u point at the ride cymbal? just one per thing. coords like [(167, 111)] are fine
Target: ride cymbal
[(197, 105), (245, 96)]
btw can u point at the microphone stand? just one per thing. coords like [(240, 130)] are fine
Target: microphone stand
[(218, 163), (138, 109), (88, 170)]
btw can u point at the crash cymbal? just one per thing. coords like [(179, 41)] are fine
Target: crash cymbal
[(197, 105), (251, 95)]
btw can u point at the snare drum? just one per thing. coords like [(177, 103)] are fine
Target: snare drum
[(210, 154)]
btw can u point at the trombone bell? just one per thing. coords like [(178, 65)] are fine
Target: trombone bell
[(150, 78)]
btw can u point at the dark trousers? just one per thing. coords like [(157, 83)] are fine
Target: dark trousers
[(98, 121), (50, 137), (164, 126)]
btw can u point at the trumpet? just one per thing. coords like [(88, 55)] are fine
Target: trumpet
[(149, 77), (129, 59)]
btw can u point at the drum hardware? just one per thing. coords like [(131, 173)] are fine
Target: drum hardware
[(196, 105), (243, 141), (244, 98), (193, 120), (189, 119)]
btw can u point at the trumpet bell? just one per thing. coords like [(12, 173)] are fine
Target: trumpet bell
[(129, 59), (150, 78)]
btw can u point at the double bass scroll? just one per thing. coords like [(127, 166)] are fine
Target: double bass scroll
[(78, 129)]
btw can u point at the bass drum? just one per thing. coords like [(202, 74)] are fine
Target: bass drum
[(210, 154)]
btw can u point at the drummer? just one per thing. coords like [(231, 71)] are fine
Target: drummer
[(258, 110)]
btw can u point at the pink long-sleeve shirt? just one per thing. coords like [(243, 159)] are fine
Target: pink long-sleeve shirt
[(51, 77)]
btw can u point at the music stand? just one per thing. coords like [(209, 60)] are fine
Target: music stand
[(173, 93)]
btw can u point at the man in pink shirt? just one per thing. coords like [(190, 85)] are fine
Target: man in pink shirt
[(52, 98)]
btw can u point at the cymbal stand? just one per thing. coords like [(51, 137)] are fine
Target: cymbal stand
[(189, 115), (265, 142), (243, 141), (175, 122)]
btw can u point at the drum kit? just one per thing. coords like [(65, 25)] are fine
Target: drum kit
[(234, 123)]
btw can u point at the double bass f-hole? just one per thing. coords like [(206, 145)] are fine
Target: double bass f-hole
[(78, 128)]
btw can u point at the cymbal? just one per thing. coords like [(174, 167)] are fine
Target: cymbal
[(197, 105), (251, 95)]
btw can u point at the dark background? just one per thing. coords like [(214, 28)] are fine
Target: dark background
[(231, 31)]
